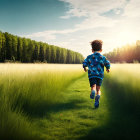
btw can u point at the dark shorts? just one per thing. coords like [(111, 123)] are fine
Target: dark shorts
[(96, 81)]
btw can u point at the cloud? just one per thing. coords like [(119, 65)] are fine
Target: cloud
[(116, 22), (75, 12), (90, 8), (89, 23), (132, 9)]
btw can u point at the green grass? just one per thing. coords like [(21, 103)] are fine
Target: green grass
[(123, 91), (27, 92), (75, 116), (124, 82), (35, 105)]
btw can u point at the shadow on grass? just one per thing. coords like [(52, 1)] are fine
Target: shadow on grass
[(123, 122), (44, 109), (39, 107)]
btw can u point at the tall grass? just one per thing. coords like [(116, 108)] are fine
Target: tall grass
[(27, 91), (124, 81), (122, 89)]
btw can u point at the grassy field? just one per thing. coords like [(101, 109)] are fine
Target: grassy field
[(125, 79), (27, 91), (121, 86), (51, 102)]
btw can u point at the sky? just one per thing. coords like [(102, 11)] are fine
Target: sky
[(73, 24)]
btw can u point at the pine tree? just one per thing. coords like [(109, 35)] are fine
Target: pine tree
[(14, 48), (35, 54), (19, 49), (0, 45), (3, 49), (68, 57), (8, 46), (30, 49), (58, 55), (53, 54), (41, 54), (48, 54), (26, 50)]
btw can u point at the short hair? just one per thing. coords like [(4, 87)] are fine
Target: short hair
[(96, 45)]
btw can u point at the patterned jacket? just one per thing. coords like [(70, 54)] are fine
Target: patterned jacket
[(95, 63)]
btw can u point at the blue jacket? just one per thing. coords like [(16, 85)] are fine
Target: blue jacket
[(95, 63)]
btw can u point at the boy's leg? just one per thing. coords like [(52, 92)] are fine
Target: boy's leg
[(98, 90), (93, 87), (93, 90), (97, 96)]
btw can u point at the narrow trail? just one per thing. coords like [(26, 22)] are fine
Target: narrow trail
[(75, 117)]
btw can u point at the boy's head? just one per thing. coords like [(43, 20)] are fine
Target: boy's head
[(96, 45)]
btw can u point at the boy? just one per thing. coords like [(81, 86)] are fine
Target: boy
[(95, 63)]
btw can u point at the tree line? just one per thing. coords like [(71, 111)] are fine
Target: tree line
[(14, 48), (127, 53)]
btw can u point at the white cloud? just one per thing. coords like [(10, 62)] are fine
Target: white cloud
[(113, 31), (92, 7), (89, 23), (132, 9), (88, 8), (75, 12)]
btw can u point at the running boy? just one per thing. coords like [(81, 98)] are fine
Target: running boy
[(95, 63)]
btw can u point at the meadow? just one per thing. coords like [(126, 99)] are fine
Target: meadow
[(124, 79), (27, 91), (51, 102)]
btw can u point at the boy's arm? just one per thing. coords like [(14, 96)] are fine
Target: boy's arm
[(85, 64), (107, 70), (107, 65), (85, 69)]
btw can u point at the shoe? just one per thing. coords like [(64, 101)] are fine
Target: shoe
[(97, 101), (92, 95)]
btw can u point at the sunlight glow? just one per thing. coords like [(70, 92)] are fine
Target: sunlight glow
[(126, 37)]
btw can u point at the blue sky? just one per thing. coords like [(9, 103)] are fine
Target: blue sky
[(29, 16), (73, 24)]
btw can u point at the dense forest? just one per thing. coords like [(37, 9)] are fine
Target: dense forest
[(125, 54), (17, 49)]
